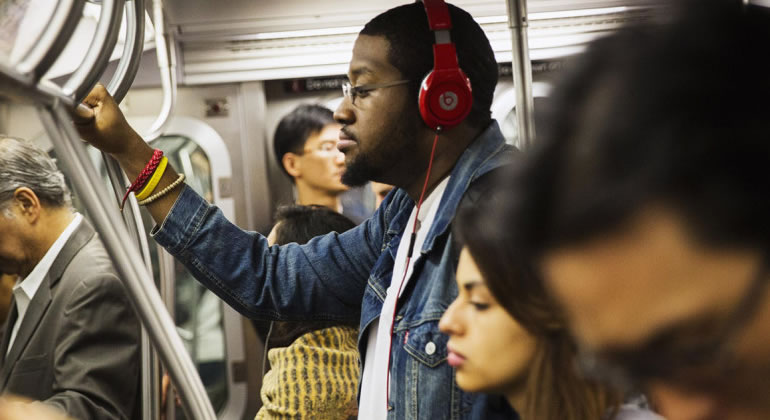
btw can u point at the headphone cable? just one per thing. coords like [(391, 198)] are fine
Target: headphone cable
[(412, 240)]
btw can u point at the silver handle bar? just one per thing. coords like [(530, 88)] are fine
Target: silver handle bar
[(26, 87), (97, 58), (132, 51), (166, 53)]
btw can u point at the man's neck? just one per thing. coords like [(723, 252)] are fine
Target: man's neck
[(450, 147), (309, 196), (52, 225)]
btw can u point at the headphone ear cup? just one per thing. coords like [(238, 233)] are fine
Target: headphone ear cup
[(445, 98)]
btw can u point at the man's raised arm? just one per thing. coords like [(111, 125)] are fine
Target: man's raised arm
[(109, 132)]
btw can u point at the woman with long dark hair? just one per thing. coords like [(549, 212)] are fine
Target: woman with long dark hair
[(508, 337)]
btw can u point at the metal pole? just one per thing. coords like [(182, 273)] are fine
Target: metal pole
[(98, 56), (522, 72), (166, 287), (135, 226), (132, 51), (38, 60), (166, 52), (118, 87), (144, 296)]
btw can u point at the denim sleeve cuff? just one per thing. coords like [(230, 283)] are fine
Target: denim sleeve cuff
[(181, 222)]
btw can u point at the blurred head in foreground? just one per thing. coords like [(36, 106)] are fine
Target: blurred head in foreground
[(645, 207)]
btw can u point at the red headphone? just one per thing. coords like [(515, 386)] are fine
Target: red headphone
[(445, 94)]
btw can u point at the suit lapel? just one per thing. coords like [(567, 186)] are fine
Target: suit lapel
[(12, 315), (37, 308), (41, 301)]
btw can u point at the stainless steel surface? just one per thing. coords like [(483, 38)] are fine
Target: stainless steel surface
[(166, 288), (151, 375), (98, 56), (23, 88), (166, 53), (132, 51), (46, 50), (522, 72), (128, 261)]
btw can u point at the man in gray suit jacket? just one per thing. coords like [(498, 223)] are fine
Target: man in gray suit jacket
[(71, 340)]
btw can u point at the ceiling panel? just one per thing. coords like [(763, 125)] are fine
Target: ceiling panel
[(243, 40)]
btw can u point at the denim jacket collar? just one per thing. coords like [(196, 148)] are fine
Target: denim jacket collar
[(481, 156)]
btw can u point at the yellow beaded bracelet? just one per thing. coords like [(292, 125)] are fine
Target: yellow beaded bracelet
[(154, 180)]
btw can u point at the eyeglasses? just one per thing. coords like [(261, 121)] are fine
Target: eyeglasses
[(698, 355), (352, 92), (326, 147)]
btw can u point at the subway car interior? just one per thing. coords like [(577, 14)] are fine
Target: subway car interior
[(207, 83)]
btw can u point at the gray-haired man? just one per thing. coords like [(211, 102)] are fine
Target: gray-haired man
[(71, 338)]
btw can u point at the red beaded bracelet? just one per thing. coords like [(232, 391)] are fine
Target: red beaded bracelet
[(144, 176)]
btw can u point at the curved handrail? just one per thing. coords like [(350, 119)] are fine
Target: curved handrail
[(132, 51), (166, 53), (39, 59), (98, 56)]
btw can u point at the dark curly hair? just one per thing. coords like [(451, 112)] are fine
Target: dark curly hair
[(411, 52)]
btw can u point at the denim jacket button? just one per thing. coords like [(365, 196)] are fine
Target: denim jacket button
[(430, 348)]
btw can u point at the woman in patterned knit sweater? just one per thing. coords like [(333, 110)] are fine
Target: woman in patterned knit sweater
[(313, 365)]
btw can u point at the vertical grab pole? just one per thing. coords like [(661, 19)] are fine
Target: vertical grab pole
[(128, 262), (135, 225), (522, 72), (118, 87)]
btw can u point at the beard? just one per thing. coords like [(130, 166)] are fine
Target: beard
[(387, 151), (358, 172)]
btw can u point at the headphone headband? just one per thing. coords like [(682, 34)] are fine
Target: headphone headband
[(438, 15), (445, 95)]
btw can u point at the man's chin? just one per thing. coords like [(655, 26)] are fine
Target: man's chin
[(353, 182), (356, 174)]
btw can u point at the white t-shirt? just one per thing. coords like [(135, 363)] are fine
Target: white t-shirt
[(375, 375)]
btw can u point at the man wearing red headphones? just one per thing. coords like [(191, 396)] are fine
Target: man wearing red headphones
[(410, 118)]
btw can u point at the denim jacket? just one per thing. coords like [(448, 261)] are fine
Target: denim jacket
[(343, 277)]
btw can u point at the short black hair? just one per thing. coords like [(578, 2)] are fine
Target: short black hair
[(675, 115), (411, 52), (295, 128), (300, 224)]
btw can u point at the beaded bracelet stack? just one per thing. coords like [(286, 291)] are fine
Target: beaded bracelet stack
[(148, 180)]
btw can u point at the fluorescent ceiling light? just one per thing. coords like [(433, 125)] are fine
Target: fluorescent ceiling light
[(307, 33), (347, 30), (563, 14)]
